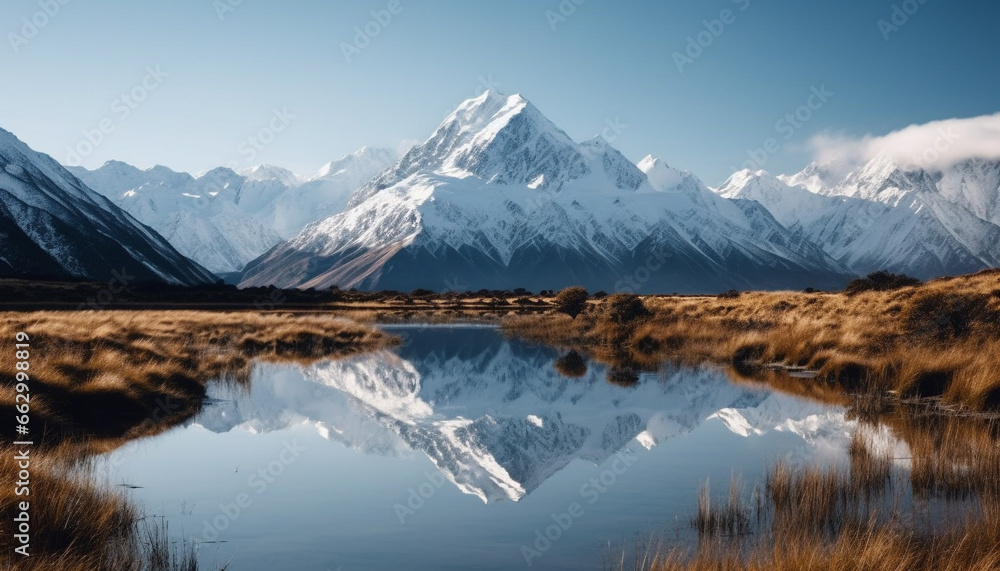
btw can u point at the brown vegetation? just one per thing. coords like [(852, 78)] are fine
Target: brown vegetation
[(572, 301), (873, 515), (938, 339), (101, 379)]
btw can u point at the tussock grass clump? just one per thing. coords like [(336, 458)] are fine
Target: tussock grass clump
[(75, 524), (572, 301), (880, 281)]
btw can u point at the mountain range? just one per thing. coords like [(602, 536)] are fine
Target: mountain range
[(223, 219), (883, 215), (499, 197), (52, 226)]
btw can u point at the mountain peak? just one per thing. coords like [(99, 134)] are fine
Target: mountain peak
[(366, 159), (118, 165), (648, 162), (498, 139), (818, 178), (265, 172), (661, 176), (758, 185)]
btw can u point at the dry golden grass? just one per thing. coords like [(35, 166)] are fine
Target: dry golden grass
[(110, 375), (75, 524), (101, 379), (937, 339), (869, 516)]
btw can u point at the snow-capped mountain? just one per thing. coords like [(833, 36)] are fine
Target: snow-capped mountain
[(208, 219), (500, 197), (326, 193), (222, 219), (493, 414), (885, 216), (271, 172), (54, 226)]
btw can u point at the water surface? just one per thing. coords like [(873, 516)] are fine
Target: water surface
[(460, 450)]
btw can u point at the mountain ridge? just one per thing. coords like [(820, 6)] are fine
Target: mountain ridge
[(54, 226), (499, 197)]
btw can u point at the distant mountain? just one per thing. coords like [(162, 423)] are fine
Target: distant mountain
[(222, 219), (500, 197), (882, 215), (495, 417), (326, 193), (54, 226), (208, 219)]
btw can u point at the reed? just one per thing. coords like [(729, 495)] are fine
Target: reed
[(872, 515)]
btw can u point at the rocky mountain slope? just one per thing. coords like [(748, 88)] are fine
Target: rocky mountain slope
[(53, 226)]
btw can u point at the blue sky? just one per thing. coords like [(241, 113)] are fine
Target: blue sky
[(603, 62)]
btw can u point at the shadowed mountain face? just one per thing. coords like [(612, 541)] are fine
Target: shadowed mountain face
[(494, 416), (500, 197), (54, 226)]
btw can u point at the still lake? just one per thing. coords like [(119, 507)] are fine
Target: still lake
[(460, 449)]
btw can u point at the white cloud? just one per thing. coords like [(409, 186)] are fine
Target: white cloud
[(937, 144)]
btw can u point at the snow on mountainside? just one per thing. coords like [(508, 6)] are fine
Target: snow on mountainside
[(222, 219), (499, 197), (884, 216), (204, 218), (497, 139), (326, 193), (271, 172), (54, 226), (495, 417)]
